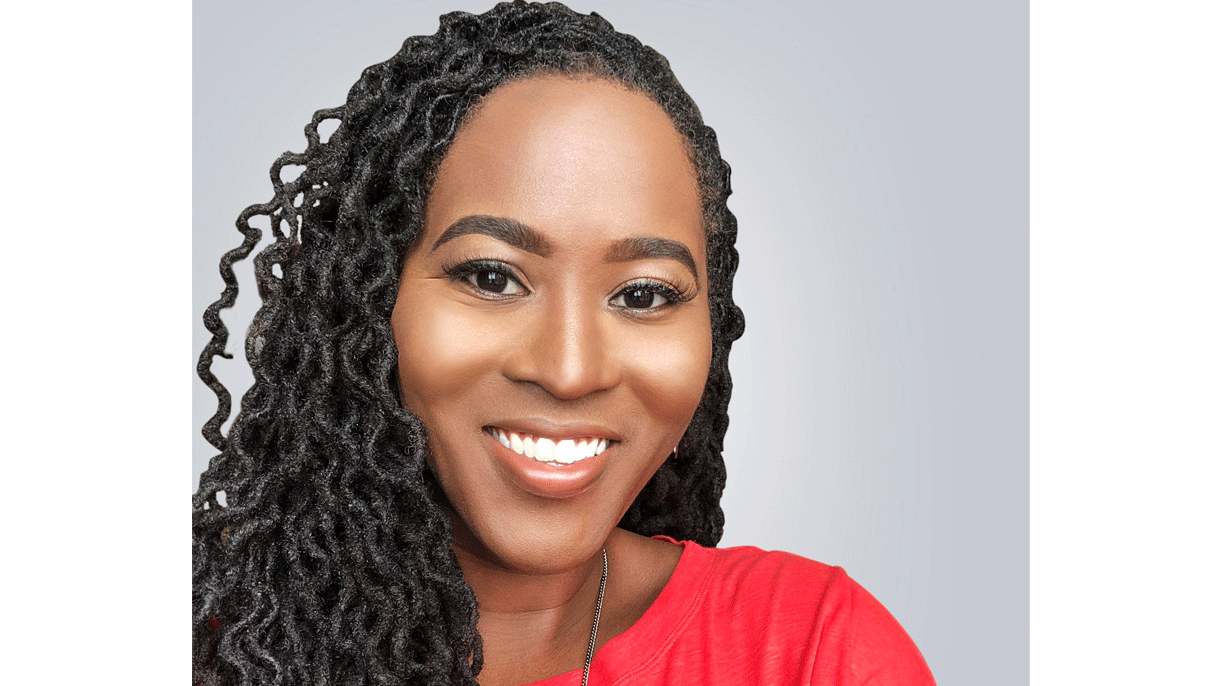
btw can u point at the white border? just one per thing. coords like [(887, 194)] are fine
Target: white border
[(96, 347), (1125, 303)]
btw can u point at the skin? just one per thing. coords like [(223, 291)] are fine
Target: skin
[(564, 336)]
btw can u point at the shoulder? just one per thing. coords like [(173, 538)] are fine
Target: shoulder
[(808, 614), (748, 576), (748, 567), (759, 589)]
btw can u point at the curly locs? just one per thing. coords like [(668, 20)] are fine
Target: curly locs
[(330, 562)]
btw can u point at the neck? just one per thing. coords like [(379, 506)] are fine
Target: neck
[(503, 591), (526, 618)]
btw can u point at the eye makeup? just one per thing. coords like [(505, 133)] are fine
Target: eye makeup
[(640, 295), (492, 278), (495, 279)]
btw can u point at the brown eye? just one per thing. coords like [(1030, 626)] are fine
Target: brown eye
[(638, 298), (487, 277), (645, 296), (493, 282)]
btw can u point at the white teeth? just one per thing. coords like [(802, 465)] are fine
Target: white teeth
[(545, 449), (565, 451)]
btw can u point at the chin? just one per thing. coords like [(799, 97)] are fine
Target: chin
[(537, 541)]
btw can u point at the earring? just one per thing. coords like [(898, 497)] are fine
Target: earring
[(674, 456)]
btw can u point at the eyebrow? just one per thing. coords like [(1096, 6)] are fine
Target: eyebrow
[(523, 237), (651, 248), (503, 229)]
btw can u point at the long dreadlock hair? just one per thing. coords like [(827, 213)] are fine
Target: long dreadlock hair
[(330, 562)]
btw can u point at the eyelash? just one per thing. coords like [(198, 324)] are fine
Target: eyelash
[(462, 271), (672, 296)]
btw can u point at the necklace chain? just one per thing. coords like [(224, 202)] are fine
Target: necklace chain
[(597, 615)]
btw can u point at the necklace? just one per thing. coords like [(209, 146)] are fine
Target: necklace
[(597, 615)]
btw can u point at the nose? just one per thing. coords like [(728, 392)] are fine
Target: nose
[(567, 350)]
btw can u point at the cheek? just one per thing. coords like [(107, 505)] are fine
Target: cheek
[(670, 372), (442, 351)]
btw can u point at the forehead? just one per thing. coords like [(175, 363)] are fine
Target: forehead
[(575, 158)]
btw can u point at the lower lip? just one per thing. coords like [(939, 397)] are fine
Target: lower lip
[(549, 479)]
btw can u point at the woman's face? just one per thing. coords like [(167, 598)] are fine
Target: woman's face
[(557, 299)]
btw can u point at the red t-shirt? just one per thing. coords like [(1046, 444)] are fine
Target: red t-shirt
[(747, 616)]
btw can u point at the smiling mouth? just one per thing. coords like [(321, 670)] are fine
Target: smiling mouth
[(549, 450)]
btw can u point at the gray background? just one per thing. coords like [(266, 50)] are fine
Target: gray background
[(880, 416)]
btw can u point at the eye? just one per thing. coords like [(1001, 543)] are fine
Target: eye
[(494, 282), (490, 277), (640, 299), (646, 295)]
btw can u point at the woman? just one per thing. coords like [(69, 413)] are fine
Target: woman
[(491, 391)]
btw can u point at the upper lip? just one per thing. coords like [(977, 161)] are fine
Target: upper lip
[(548, 429)]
